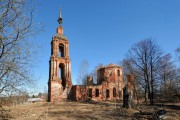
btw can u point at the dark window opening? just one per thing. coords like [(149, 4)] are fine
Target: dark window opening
[(61, 50), (118, 71), (90, 93), (110, 74), (61, 73), (97, 92), (114, 92), (107, 93)]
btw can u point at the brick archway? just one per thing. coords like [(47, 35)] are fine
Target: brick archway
[(62, 74)]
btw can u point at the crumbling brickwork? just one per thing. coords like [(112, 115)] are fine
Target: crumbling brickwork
[(109, 85)]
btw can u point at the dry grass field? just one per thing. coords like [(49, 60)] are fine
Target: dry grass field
[(83, 111)]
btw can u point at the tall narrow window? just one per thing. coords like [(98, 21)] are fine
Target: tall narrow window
[(114, 92), (90, 93), (118, 72), (62, 74), (107, 93), (97, 92), (61, 50)]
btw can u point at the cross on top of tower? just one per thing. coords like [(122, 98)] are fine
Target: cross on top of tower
[(60, 20)]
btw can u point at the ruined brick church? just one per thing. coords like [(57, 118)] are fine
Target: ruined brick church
[(109, 78)]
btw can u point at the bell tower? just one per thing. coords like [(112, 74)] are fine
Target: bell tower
[(59, 84)]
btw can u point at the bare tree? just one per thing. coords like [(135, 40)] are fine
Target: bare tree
[(94, 72), (167, 74), (83, 72), (144, 57), (130, 69), (178, 52), (16, 51)]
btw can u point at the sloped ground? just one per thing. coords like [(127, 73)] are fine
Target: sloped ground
[(82, 111)]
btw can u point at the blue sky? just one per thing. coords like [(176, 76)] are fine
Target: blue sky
[(102, 31)]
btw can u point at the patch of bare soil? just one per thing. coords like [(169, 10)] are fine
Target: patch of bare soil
[(85, 111)]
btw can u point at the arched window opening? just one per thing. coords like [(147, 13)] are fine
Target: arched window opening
[(118, 72), (114, 92), (90, 93), (61, 50), (107, 93), (97, 92), (61, 74)]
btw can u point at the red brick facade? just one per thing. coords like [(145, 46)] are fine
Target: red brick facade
[(60, 83)]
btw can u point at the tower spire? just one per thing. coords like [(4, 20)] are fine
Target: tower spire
[(60, 20)]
